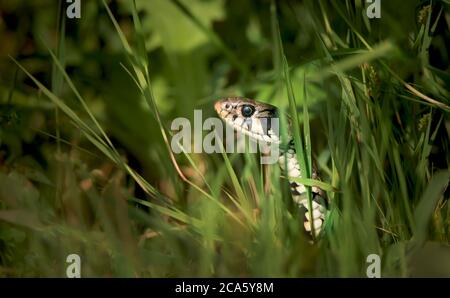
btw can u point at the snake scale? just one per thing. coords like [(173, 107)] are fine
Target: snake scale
[(251, 117)]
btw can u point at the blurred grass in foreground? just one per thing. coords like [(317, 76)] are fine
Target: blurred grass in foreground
[(86, 167)]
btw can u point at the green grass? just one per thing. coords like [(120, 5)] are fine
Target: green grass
[(364, 97)]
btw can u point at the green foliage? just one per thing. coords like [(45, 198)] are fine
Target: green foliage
[(85, 159)]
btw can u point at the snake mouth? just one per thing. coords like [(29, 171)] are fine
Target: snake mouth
[(262, 125)]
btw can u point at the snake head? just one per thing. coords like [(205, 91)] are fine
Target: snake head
[(255, 119)]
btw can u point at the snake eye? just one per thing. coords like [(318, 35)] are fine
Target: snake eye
[(247, 110)]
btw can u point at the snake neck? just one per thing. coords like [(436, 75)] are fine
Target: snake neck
[(288, 162)]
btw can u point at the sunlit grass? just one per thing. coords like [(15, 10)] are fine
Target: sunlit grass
[(226, 215)]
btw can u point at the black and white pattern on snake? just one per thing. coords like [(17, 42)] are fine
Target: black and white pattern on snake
[(253, 118)]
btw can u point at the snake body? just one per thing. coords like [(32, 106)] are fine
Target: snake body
[(252, 118)]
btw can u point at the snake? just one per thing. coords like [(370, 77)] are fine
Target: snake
[(253, 119)]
